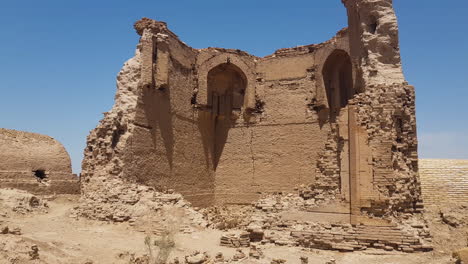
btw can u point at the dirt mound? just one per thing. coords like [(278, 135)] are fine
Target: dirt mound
[(21, 202), (19, 249), (54, 237), (133, 203), (448, 226), (455, 215)]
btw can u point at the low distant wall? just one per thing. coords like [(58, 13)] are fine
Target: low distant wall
[(444, 181), (36, 163), (58, 183)]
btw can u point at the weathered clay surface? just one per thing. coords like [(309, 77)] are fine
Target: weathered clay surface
[(36, 163)]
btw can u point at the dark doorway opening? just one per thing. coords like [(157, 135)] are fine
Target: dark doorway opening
[(338, 78), (40, 174)]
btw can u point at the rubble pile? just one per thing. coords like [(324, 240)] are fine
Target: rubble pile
[(197, 258), (6, 230), (407, 233), (348, 238), (227, 217), (21, 202), (126, 202), (15, 249), (236, 240), (448, 224)]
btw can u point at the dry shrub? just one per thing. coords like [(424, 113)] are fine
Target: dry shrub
[(161, 232)]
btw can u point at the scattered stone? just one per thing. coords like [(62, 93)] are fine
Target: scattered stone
[(5, 230), (15, 231), (278, 261), (235, 241), (22, 202), (34, 253), (240, 255), (219, 258), (388, 248), (255, 252), (461, 255), (196, 258)]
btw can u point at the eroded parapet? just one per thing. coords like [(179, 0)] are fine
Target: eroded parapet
[(35, 163), (159, 48), (374, 45), (155, 60)]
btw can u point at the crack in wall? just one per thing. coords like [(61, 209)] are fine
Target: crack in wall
[(252, 155)]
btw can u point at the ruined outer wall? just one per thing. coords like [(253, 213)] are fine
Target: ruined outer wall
[(277, 148), (22, 153), (444, 181), (159, 134), (152, 135), (168, 147), (159, 131), (384, 171)]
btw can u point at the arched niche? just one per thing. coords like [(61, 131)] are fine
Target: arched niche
[(237, 63), (339, 44), (227, 85), (337, 76)]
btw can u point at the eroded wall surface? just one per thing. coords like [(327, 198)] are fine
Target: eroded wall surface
[(220, 126), (36, 163), (444, 181)]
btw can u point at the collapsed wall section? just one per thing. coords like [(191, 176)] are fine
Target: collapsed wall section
[(386, 177), (146, 139), (376, 130), (35, 163)]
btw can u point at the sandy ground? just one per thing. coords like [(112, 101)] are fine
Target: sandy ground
[(62, 239)]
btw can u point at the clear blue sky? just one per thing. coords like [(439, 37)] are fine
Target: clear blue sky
[(59, 59)]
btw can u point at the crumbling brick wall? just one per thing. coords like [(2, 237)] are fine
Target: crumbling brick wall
[(387, 113), (222, 126)]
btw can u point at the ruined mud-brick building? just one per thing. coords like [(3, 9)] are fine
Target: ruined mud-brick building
[(222, 126), (35, 163)]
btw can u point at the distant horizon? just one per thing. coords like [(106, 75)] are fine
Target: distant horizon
[(60, 60)]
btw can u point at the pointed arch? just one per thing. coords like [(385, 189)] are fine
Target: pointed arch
[(337, 75)]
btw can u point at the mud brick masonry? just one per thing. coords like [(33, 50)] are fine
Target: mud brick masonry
[(222, 126), (35, 163)]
